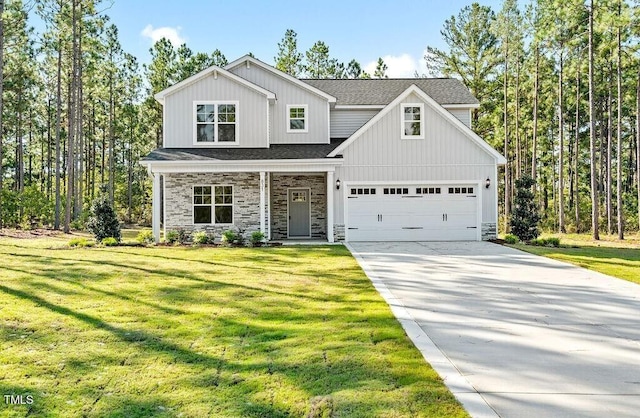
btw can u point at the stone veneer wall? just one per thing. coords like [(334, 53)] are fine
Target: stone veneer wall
[(279, 185), (489, 231), (178, 189)]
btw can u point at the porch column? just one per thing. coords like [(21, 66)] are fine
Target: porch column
[(263, 228), (155, 204), (330, 185)]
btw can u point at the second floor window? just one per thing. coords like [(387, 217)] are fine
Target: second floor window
[(412, 120), (216, 122), (297, 119)]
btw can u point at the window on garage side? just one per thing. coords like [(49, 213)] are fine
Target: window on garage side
[(412, 120), (363, 191), (428, 190), (460, 190)]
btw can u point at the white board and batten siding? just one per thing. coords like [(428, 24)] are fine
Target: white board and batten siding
[(287, 93), (179, 120), (344, 122), (445, 156)]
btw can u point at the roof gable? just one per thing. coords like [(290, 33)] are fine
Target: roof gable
[(436, 107), (215, 72), (249, 60)]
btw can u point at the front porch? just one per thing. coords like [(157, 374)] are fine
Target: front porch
[(282, 205)]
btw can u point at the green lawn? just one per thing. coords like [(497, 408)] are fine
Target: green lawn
[(609, 256), (196, 332)]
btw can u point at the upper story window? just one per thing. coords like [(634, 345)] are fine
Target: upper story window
[(297, 118), (412, 120), (216, 122)]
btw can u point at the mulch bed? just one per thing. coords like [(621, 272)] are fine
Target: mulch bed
[(28, 233)]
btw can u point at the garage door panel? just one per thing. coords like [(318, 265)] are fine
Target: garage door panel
[(410, 216)]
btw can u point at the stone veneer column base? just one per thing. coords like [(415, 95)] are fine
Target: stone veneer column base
[(489, 231), (338, 232)]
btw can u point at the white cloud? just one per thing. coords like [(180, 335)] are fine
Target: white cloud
[(398, 66), (172, 34)]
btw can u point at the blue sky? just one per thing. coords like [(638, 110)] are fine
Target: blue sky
[(365, 30)]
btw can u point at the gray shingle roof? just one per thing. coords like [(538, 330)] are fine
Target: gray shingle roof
[(384, 91), (275, 152)]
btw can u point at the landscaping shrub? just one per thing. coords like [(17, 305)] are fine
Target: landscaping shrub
[(80, 242), (545, 242), (183, 236), (257, 238), (525, 217), (172, 237), (103, 222), (230, 237), (201, 237), (510, 239), (109, 242), (145, 237), (552, 242)]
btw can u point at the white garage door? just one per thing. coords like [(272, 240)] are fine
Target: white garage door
[(412, 213)]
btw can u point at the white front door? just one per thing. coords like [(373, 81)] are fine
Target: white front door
[(412, 213)]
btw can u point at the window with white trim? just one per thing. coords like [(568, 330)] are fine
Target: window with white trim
[(215, 122), (297, 118), (412, 116), (213, 204)]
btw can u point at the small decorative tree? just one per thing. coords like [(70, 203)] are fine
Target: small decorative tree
[(525, 217), (103, 222)]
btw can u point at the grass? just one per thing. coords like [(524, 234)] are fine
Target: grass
[(609, 255), (196, 332)]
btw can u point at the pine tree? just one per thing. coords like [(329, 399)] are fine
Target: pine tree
[(381, 69), (525, 217), (289, 60), (354, 70), (318, 62)]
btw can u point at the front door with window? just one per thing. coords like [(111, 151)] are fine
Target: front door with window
[(299, 213)]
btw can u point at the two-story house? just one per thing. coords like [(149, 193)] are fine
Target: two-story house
[(250, 148)]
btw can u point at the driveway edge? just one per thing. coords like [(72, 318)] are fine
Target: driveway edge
[(464, 392)]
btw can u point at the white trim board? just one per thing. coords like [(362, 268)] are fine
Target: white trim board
[(241, 166)]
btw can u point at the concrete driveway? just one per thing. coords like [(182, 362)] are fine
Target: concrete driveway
[(514, 334)]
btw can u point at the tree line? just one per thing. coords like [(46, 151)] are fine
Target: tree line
[(559, 87), (558, 83)]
